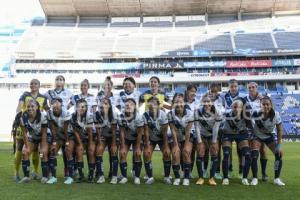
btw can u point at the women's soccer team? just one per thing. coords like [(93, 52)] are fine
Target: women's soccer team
[(186, 129)]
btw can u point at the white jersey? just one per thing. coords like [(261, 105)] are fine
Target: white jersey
[(233, 125), (90, 99), (131, 125), (264, 128), (64, 94), (81, 124), (34, 128), (155, 124), (206, 121), (193, 105), (180, 123), (124, 95), (104, 123), (254, 104), (113, 98), (58, 121), (228, 99)]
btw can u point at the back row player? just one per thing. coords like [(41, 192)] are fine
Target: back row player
[(129, 85)]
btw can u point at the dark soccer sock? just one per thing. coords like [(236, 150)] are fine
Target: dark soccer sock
[(148, 167), (71, 167), (254, 156), (200, 166), (218, 169), (206, 158), (80, 167), (114, 164), (263, 164), (176, 169), (53, 165), (44, 166), (123, 167), (137, 168), (26, 167), (110, 164), (187, 170), (99, 165), (277, 165), (247, 155), (240, 158), (225, 162), (167, 168), (214, 164), (65, 160), (91, 171)]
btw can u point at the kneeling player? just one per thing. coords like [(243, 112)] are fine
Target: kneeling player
[(265, 121), (155, 132), (207, 123)]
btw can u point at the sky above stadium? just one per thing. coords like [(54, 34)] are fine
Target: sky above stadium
[(15, 11)]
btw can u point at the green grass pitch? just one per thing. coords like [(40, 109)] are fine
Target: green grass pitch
[(34, 190)]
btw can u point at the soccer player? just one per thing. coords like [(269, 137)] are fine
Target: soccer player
[(107, 92), (21, 108), (265, 122), (80, 138), (131, 131), (128, 92), (59, 120), (105, 120), (253, 99), (90, 99), (154, 91), (34, 128), (59, 91), (181, 121), (207, 122), (156, 133), (228, 99), (192, 104), (237, 127)]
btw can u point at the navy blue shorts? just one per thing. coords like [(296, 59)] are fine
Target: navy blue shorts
[(235, 137), (267, 141)]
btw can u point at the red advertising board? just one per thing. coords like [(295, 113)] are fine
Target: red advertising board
[(248, 63)]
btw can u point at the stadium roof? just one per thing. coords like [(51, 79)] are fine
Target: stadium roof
[(127, 8)]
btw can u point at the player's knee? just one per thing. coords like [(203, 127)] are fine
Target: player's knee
[(226, 152), (254, 154)]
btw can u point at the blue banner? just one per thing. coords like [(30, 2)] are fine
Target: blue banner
[(205, 64), (282, 62)]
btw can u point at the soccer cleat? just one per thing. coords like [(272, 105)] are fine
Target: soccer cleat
[(44, 180), (52, 180), (146, 177), (186, 182), (200, 181), (265, 178), (205, 174), (167, 180), (245, 181), (278, 182), (254, 182), (123, 180), (225, 181), (137, 181), (212, 182), (149, 181), (218, 176), (16, 178), (69, 181), (176, 181), (101, 180), (24, 180), (114, 180), (34, 176)]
